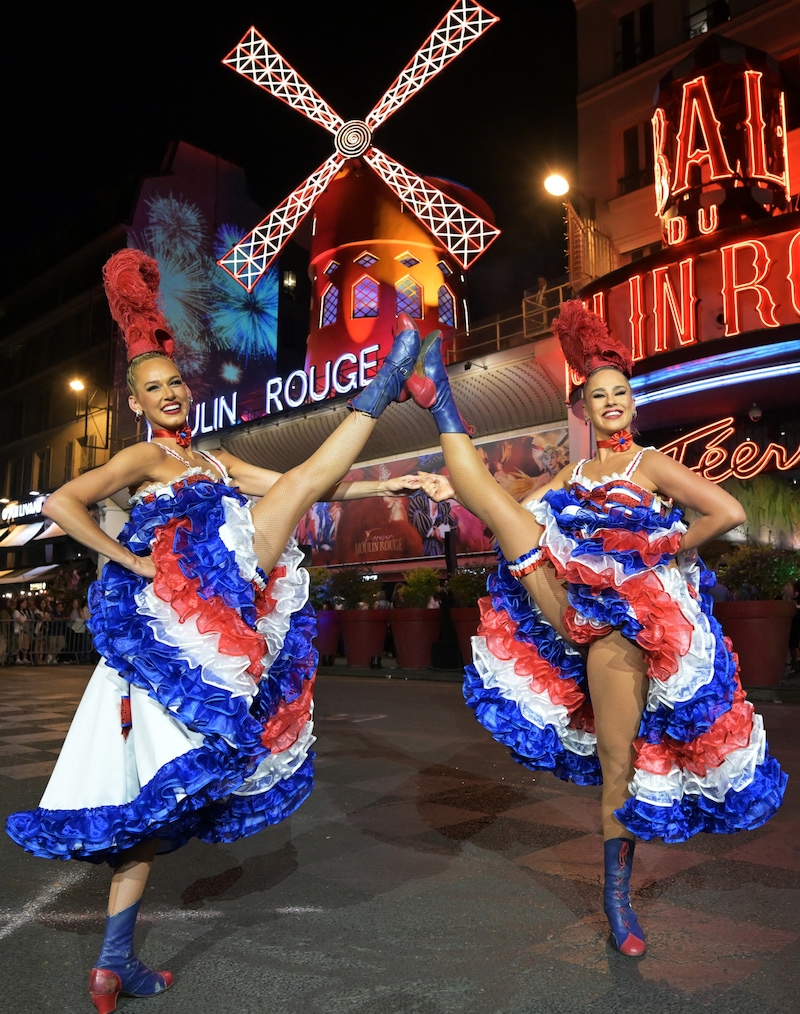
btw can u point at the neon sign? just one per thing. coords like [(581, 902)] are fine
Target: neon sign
[(746, 285), (717, 463), (720, 143), (343, 375)]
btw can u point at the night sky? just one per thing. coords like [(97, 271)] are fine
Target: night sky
[(94, 92)]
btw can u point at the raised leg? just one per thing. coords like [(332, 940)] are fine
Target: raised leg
[(276, 515)]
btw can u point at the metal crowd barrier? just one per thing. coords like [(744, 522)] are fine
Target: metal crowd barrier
[(45, 642)]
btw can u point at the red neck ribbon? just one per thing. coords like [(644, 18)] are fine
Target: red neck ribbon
[(620, 441), (182, 437)]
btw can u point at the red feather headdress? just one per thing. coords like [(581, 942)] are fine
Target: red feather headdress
[(131, 280), (586, 343)]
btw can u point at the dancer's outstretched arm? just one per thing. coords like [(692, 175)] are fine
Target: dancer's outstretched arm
[(253, 480)]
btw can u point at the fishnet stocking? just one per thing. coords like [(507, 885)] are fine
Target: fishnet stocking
[(618, 687), (515, 528), (277, 514), (130, 877)]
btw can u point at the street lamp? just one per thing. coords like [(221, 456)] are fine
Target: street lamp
[(78, 386), (590, 253)]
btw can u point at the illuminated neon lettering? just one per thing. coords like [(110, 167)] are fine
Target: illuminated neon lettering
[(733, 284), (295, 400), (599, 304), (350, 379), (794, 271), (717, 464), (707, 219), (637, 318), (661, 164), (684, 319), (698, 141), (274, 387), (203, 426), (365, 364), (227, 410), (756, 129), (314, 394), (676, 230)]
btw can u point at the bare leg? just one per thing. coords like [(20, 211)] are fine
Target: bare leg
[(618, 686)]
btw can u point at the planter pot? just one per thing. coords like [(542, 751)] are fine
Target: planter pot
[(328, 629), (760, 635), (363, 633), (414, 632), (465, 620)]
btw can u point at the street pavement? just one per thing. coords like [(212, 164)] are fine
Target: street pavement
[(427, 873)]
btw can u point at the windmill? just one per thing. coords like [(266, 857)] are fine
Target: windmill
[(447, 235)]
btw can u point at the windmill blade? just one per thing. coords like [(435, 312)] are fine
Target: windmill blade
[(465, 234), (462, 25), (255, 59), (251, 257)]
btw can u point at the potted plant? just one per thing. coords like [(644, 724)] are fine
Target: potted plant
[(363, 629), (415, 627), (328, 629), (756, 619), (467, 585)]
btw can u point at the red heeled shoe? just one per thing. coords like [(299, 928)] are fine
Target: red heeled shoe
[(118, 970), (105, 986)]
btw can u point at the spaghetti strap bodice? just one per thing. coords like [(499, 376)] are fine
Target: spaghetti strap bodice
[(627, 473)]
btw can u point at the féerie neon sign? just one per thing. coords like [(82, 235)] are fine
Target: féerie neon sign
[(717, 463)]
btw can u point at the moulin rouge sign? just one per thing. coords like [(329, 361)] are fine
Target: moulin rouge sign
[(721, 174)]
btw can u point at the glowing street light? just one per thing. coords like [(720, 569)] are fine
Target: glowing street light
[(557, 185), (76, 385)]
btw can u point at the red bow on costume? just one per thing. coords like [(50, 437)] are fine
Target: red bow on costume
[(620, 441), (182, 437)]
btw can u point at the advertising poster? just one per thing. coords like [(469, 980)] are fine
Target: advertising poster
[(379, 529)]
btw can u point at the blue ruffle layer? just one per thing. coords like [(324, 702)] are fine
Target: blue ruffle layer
[(232, 748), (534, 747), (538, 748)]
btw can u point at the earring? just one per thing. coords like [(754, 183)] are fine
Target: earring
[(586, 420), (137, 416), (635, 412)]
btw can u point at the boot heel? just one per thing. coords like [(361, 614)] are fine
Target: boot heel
[(104, 988), (626, 933), (421, 388)]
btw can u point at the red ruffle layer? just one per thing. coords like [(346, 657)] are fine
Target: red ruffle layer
[(181, 593)]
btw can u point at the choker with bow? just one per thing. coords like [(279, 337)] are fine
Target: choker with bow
[(182, 437), (618, 442)]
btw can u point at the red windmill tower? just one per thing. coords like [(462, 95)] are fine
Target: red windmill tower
[(370, 259)]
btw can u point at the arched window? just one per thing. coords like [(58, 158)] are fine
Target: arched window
[(365, 297), (329, 307), (409, 297), (447, 307)]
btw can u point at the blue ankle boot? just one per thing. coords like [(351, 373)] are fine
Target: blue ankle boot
[(429, 386), (388, 383), (626, 933), (118, 970)]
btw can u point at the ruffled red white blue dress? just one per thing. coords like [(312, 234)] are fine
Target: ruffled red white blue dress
[(702, 762), (197, 720)]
